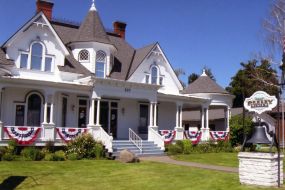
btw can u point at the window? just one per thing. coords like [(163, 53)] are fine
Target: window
[(100, 64), (84, 55), (24, 60), (147, 79), (20, 115), (36, 59), (64, 111), (160, 80), (34, 110), (154, 75), (82, 113)]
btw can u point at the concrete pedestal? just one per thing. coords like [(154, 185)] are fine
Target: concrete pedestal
[(260, 168)]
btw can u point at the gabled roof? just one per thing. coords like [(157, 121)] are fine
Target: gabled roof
[(140, 55), (204, 84), (92, 29)]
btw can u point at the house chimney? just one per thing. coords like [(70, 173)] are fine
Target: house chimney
[(120, 28), (46, 7)]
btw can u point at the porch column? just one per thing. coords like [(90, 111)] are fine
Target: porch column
[(98, 112), (91, 112), (178, 128), (155, 114), (202, 118), (49, 126), (45, 111), (150, 114), (180, 116), (228, 112), (51, 110), (207, 118)]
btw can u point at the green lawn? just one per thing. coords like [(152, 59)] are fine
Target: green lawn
[(220, 159), (104, 175)]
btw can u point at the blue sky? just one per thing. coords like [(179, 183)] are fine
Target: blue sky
[(218, 34)]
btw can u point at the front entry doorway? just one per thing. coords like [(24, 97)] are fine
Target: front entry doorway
[(109, 117)]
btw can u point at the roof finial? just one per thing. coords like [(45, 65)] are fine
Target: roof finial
[(93, 8), (204, 73)]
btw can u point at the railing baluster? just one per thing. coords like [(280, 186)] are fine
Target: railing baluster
[(134, 138)]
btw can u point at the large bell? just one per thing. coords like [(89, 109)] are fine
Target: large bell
[(259, 136)]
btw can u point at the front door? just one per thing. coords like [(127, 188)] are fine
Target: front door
[(143, 119), (109, 117)]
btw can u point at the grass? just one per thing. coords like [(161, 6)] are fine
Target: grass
[(220, 159), (114, 175)]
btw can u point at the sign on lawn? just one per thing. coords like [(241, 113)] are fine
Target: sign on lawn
[(260, 102)]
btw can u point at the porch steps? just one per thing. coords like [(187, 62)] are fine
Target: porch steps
[(149, 148)]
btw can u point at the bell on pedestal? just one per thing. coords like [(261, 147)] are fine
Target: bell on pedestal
[(259, 136)]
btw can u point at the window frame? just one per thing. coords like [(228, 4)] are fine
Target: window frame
[(151, 74)]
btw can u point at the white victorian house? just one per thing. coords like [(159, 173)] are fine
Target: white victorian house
[(61, 79)]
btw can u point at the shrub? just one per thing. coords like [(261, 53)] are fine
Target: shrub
[(49, 157), (204, 148), (84, 146), (8, 157), (49, 145), (12, 147), (99, 150), (3, 150), (187, 146), (72, 156), (224, 146), (174, 149), (238, 130), (59, 155), (32, 153)]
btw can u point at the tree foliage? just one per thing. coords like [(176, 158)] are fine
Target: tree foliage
[(193, 76), (239, 127), (253, 76)]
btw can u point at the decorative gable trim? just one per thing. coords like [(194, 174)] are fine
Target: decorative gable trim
[(36, 20), (156, 50)]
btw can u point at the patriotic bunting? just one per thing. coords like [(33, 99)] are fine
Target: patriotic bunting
[(219, 135), (169, 135), (23, 135), (193, 136), (68, 134)]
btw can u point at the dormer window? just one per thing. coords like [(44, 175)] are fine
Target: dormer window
[(100, 64), (36, 58), (84, 55), (154, 77)]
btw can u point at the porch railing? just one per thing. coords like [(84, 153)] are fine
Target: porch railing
[(134, 138), (156, 138)]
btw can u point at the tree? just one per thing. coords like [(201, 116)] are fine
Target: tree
[(178, 72), (238, 128), (253, 76), (192, 77)]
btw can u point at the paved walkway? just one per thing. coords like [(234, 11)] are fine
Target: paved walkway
[(168, 160)]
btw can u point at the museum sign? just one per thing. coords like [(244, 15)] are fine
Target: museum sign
[(260, 102)]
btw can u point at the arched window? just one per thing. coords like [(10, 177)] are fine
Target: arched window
[(84, 55), (34, 110), (100, 64), (36, 56), (154, 75)]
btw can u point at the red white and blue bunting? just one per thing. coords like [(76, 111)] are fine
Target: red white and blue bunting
[(193, 136), (23, 135), (168, 135), (68, 134), (219, 135)]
